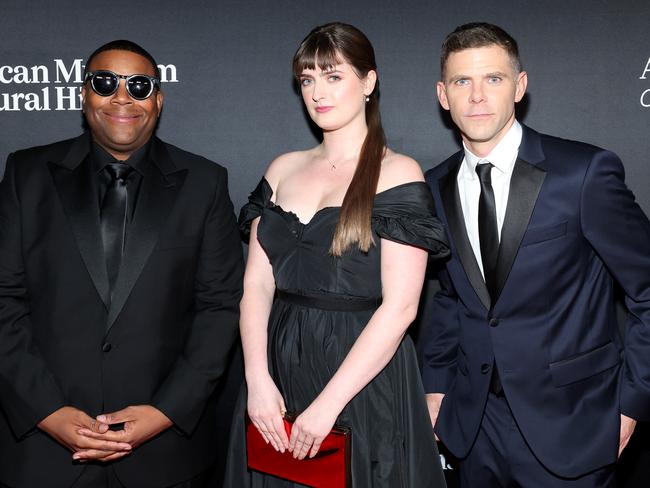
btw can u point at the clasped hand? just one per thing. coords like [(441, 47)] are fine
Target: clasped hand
[(91, 438), (265, 409), (310, 429)]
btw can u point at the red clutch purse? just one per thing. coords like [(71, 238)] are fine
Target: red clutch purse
[(330, 468)]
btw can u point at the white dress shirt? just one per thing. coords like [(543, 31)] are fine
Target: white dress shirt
[(503, 157)]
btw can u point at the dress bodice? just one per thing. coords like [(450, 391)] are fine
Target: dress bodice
[(299, 252)]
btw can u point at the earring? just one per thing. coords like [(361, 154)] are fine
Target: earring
[(367, 99)]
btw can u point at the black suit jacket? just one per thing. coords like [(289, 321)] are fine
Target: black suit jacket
[(163, 340), (571, 228)]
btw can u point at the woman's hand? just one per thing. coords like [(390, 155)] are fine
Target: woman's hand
[(265, 409), (310, 429)]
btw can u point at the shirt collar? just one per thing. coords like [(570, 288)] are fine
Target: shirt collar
[(504, 154), (99, 158)]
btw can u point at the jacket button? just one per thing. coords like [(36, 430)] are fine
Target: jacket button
[(106, 347), (493, 322), (485, 368)]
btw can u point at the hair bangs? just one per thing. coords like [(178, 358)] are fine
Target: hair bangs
[(321, 51)]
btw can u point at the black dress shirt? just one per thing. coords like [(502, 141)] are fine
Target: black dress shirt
[(139, 161)]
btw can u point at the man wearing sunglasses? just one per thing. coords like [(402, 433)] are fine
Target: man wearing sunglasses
[(120, 278)]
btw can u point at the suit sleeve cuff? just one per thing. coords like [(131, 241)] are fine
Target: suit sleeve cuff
[(182, 397), (25, 422), (634, 404), (437, 380)]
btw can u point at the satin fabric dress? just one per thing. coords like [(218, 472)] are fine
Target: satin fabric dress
[(392, 439)]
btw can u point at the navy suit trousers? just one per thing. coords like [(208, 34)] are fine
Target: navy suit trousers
[(500, 458)]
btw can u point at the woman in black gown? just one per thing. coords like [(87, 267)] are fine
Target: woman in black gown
[(339, 236)]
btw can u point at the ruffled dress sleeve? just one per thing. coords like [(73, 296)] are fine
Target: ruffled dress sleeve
[(405, 214), (258, 200)]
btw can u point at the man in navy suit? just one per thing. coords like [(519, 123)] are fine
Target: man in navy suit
[(527, 378)]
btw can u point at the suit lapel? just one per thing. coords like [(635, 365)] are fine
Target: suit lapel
[(525, 185), (159, 189), (456, 221), (76, 188)]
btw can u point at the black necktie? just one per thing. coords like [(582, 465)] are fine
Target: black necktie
[(113, 218), (488, 231)]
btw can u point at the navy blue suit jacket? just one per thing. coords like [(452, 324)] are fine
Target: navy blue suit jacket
[(572, 229)]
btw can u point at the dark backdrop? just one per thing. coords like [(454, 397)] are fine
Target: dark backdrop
[(229, 92)]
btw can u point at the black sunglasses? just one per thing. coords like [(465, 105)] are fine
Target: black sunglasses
[(105, 83)]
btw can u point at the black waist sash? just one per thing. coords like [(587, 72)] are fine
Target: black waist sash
[(326, 302)]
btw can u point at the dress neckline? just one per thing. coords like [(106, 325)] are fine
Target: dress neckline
[(322, 210)]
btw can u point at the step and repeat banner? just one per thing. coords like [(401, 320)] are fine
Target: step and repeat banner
[(230, 96)]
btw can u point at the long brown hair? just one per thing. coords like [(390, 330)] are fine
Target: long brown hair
[(329, 45)]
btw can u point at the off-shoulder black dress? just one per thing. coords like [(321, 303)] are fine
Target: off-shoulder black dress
[(392, 440)]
